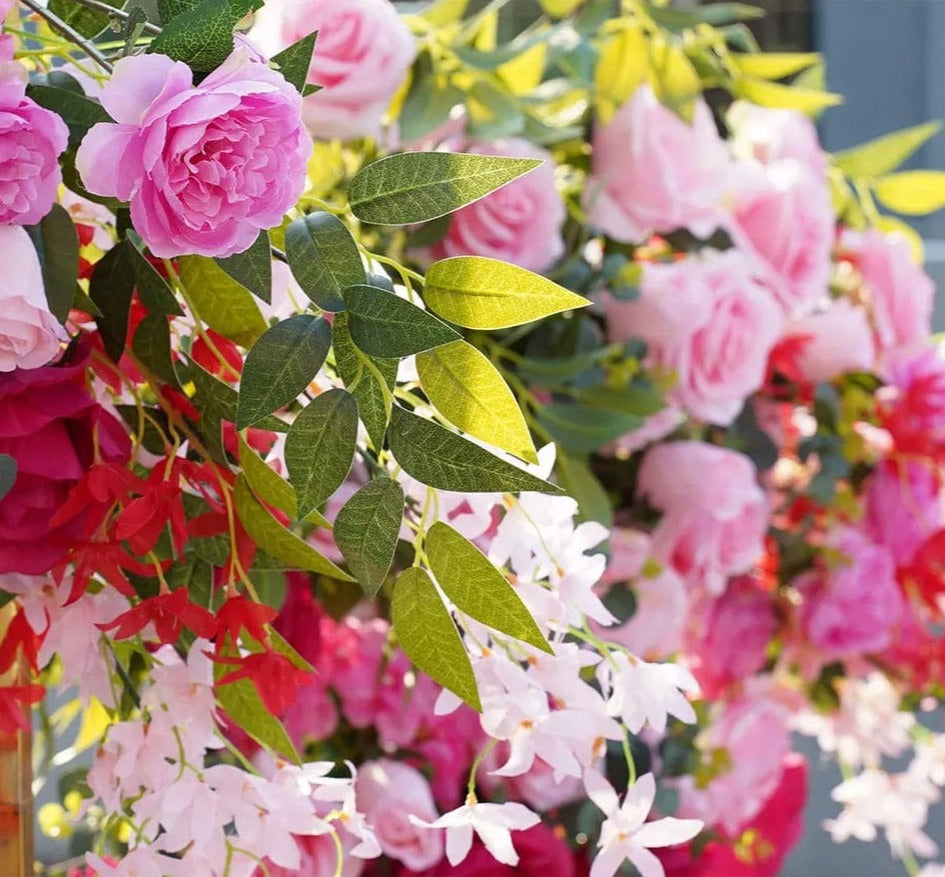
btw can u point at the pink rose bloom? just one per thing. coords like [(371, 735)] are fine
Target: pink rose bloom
[(835, 340), (653, 172), (784, 219), (388, 792), (29, 333), (852, 608), (766, 135), (707, 321), (31, 140), (520, 223), (714, 512), (903, 506), (899, 292), (364, 51), (206, 166)]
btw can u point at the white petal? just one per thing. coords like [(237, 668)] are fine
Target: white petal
[(600, 792), (458, 843), (645, 862), (667, 832), (498, 841), (607, 861)]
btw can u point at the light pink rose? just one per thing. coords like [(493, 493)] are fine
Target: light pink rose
[(31, 140), (206, 166), (707, 321), (899, 292), (852, 608), (520, 223), (29, 333), (783, 217), (363, 53), (650, 171), (835, 340), (766, 135), (714, 512)]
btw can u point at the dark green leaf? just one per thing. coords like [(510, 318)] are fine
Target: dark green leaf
[(428, 103), (7, 474), (152, 346), (78, 111), (202, 36), (427, 633), (111, 288), (498, 114), (252, 269), (219, 398), (324, 258), (280, 365), (580, 429), (477, 588), (294, 62), (153, 290), (384, 325), (87, 22), (221, 302), (582, 485), (320, 447), (57, 245), (419, 186), (170, 9), (447, 461)]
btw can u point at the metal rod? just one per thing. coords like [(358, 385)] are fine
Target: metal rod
[(101, 6), (70, 33)]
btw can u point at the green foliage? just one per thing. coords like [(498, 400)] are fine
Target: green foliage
[(885, 154), (385, 325), (293, 62), (202, 35), (581, 484), (252, 269), (427, 633), (442, 459), (482, 293), (914, 193), (419, 186), (221, 302), (78, 111), (151, 345), (152, 288), (582, 429), (324, 259), (477, 588), (7, 474), (280, 365), (320, 447), (110, 288), (57, 245), (471, 394), (428, 103), (366, 531), (170, 9), (784, 97), (87, 22)]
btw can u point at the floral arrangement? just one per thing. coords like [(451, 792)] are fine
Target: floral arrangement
[(426, 452)]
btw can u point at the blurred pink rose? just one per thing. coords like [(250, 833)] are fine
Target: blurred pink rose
[(364, 51), (766, 135), (783, 217), (655, 427), (205, 166), (31, 140), (836, 340), (520, 223), (899, 292), (388, 792), (708, 322), (852, 608), (714, 512), (29, 333), (650, 171)]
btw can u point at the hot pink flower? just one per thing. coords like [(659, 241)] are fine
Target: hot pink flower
[(650, 171), (707, 321), (205, 166)]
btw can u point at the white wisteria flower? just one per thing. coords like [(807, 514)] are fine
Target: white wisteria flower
[(642, 693)]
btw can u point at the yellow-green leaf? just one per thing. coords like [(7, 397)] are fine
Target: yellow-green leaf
[(785, 97), (673, 78), (774, 65), (621, 70), (885, 154), (221, 302), (524, 72), (914, 193)]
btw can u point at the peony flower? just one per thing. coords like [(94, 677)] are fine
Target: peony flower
[(651, 171), (363, 54), (29, 333), (835, 340), (520, 223), (205, 166), (707, 321), (31, 140)]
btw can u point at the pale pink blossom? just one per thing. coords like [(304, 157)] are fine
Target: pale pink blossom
[(766, 135), (835, 340), (143, 861), (640, 693)]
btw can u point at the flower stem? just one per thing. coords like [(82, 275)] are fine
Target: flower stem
[(66, 30)]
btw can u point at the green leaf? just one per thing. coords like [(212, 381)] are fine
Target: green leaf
[(88, 22), (7, 474), (442, 459), (320, 447), (482, 293), (418, 186), (220, 398), (470, 393), (477, 588), (582, 484), (202, 36), (580, 429), (153, 289), (280, 365), (57, 245), (275, 539), (633, 399), (170, 9), (382, 324), (78, 111), (252, 269), (427, 633), (369, 380), (110, 287), (427, 106), (221, 302), (885, 154), (784, 97), (294, 62), (774, 65), (152, 346), (494, 113), (366, 531), (914, 193), (324, 258)]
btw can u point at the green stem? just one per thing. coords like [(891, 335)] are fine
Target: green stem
[(111, 11)]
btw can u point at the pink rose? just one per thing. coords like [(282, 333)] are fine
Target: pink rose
[(520, 223), (834, 341), (31, 140), (714, 513), (898, 291), (364, 51), (206, 166), (912, 405), (852, 608), (783, 218), (766, 135), (650, 171), (707, 321), (29, 333)]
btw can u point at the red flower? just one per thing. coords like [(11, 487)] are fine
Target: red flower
[(19, 635), (232, 365), (274, 676), (13, 698), (170, 613), (238, 613)]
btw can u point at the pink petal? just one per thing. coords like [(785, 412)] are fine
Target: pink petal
[(138, 81), (99, 155)]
